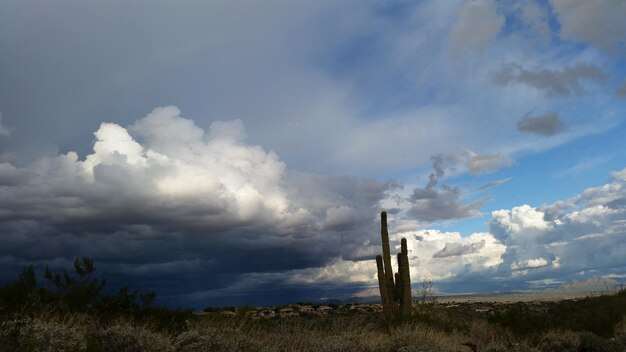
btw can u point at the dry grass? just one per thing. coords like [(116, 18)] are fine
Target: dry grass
[(333, 333)]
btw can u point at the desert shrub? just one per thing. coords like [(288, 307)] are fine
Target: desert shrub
[(418, 337), (162, 319), (206, 340), (417, 349), (559, 341), (126, 338), (499, 347), (495, 347), (37, 335), (598, 315), (216, 341), (438, 317), (590, 342), (620, 328), (483, 334), (339, 343), (619, 343)]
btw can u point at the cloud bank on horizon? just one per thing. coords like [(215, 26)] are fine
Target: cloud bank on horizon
[(308, 120)]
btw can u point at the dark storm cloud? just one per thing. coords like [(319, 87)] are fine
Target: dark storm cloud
[(565, 82), (195, 206), (547, 124)]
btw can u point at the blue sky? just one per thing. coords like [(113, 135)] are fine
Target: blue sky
[(240, 152)]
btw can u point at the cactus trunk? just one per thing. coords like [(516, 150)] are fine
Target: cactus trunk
[(395, 294), (406, 302), (382, 285), (384, 234)]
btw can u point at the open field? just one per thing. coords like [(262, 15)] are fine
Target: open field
[(587, 324)]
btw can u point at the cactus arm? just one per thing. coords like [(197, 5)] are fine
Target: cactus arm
[(405, 276)]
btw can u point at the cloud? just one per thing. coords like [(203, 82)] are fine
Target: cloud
[(483, 163), (598, 22), (11, 175), (567, 237), (208, 209), (530, 264), (433, 255), (438, 201), (621, 91), (455, 249), (547, 124), (212, 200), (518, 224), (565, 82), (494, 183), (362, 80), (584, 165), (524, 244), (4, 130), (536, 17), (449, 256), (442, 202), (478, 24), (165, 198), (445, 203)]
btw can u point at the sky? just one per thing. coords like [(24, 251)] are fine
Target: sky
[(240, 152)]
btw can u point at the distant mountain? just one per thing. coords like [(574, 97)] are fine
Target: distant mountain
[(593, 284)]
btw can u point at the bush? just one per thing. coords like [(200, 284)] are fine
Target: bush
[(498, 347), (559, 341), (339, 343), (36, 335), (124, 338), (194, 340), (216, 341)]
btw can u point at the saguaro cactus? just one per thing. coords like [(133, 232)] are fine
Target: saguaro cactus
[(395, 294)]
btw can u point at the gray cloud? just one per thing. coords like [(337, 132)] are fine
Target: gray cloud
[(453, 249), (361, 72), (483, 163), (444, 203), (5, 131), (547, 124), (11, 175), (478, 24), (565, 82), (326, 85), (596, 22), (438, 201), (621, 91), (536, 18), (173, 202), (494, 183), (441, 202)]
